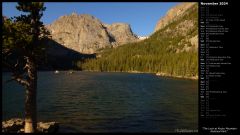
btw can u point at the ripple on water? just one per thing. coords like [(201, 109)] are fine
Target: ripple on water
[(109, 102)]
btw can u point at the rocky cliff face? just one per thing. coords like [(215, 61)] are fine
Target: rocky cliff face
[(173, 14), (181, 21), (86, 34), (121, 33)]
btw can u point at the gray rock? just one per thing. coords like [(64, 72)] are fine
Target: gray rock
[(121, 33), (82, 33), (86, 34)]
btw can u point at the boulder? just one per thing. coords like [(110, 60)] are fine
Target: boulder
[(48, 127), (12, 125), (16, 125)]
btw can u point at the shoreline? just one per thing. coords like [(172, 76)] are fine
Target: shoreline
[(139, 72), (133, 72), (182, 77)]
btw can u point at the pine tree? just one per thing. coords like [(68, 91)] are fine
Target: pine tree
[(23, 45)]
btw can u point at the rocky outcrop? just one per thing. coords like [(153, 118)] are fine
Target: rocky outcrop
[(121, 33), (82, 33), (173, 14), (86, 34), (16, 125)]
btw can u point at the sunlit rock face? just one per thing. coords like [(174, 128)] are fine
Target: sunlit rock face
[(86, 34), (178, 23), (173, 14), (121, 33)]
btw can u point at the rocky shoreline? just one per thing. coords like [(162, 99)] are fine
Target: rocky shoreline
[(157, 74), (16, 125), (183, 77)]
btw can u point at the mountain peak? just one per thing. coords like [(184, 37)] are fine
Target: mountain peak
[(86, 34), (74, 14)]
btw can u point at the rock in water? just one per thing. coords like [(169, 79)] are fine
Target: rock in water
[(48, 127), (86, 34), (12, 125)]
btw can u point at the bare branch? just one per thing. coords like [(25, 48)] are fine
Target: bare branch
[(14, 68), (17, 75), (16, 64), (22, 81), (26, 67)]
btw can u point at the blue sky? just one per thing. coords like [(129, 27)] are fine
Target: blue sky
[(142, 16)]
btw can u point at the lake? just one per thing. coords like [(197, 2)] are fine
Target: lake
[(108, 102)]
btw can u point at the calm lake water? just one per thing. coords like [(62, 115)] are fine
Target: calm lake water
[(108, 102)]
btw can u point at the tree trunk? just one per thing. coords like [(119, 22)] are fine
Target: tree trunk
[(31, 97)]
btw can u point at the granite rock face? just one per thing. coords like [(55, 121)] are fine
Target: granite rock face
[(181, 21), (121, 33), (82, 33), (173, 14), (86, 34)]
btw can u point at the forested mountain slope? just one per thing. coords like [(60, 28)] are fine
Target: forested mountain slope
[(171, 50)]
